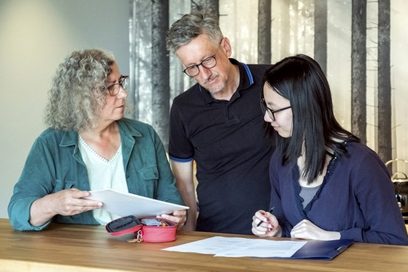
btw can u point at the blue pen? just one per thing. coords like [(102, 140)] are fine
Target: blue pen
[(270, 211)]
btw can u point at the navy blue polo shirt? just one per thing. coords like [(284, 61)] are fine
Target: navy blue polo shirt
[(228, 143)]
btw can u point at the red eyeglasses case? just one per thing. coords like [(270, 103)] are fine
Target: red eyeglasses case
[(152, 230)]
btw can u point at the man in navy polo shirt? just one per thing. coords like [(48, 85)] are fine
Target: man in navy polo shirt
[(218, 124)]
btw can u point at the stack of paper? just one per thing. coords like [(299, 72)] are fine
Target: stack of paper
[(245, 247)]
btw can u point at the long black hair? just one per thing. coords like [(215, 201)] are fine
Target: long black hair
[(301, 80)]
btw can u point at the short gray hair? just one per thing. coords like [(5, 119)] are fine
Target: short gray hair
[(78, 90), (189, 26)]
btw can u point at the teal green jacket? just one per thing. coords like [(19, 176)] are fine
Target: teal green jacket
[(55, 163)]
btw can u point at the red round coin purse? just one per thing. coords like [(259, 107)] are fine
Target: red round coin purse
[(150, 230)]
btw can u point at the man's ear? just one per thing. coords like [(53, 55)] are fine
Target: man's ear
[(226, 46)]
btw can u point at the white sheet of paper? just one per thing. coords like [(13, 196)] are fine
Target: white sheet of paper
[(213, 245), (241, 247), (124, 204)]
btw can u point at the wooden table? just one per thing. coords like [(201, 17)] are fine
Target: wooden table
[(89, 248)]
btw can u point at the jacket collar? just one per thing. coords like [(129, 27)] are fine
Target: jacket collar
[(127, 134)]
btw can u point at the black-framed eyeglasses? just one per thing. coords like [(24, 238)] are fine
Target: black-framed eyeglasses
[(114, 88), (194, 70), (271, 112)]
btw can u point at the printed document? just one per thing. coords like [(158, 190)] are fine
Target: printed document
[(241, 247)]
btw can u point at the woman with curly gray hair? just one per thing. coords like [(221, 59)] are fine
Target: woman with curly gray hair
[(89, 145)]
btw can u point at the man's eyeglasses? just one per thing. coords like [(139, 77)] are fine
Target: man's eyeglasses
[(194, 69), (271, 112), (114, 88)]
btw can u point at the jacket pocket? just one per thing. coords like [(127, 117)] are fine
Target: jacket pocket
[(149, 181), (150, 173)]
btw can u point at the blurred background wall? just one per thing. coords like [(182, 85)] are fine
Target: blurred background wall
[(35, 36)]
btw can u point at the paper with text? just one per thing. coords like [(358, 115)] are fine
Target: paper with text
[(241, 247)]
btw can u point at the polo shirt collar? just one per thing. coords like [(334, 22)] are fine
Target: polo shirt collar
[(246, 80)]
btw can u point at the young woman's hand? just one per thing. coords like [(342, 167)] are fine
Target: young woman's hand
[(265, 224), (305, 229)]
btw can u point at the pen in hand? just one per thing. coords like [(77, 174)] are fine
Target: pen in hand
[(260, 222)]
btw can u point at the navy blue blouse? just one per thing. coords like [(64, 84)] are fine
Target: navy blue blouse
[(356, 198)]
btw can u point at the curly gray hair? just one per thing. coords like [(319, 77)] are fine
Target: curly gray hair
[(78, 90), (189, 26)]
